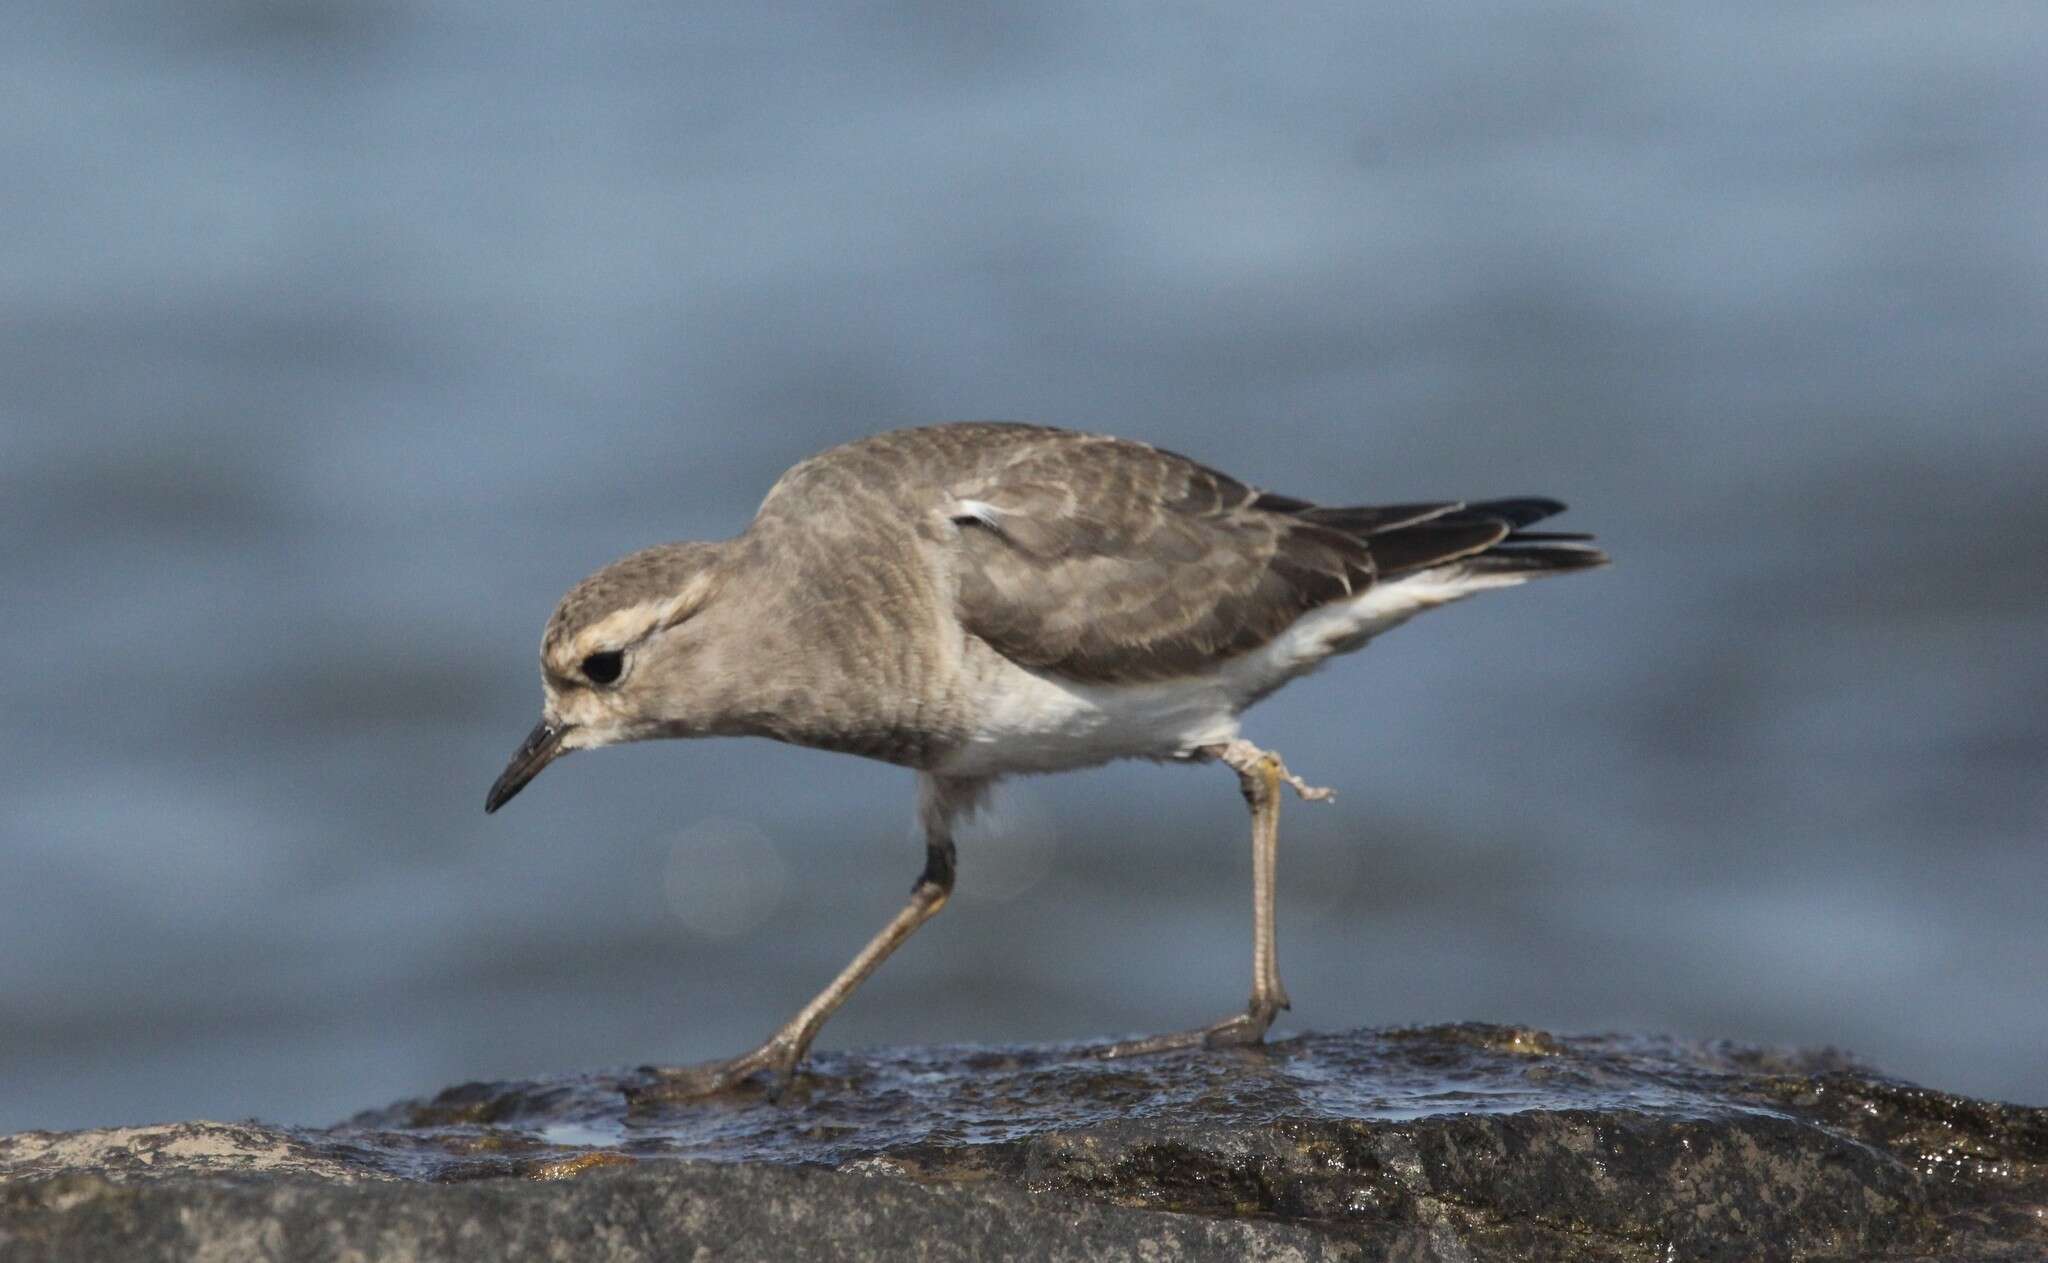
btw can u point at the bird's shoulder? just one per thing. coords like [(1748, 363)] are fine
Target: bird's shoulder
[(1100, 478), (923, 463), (1086, 556)]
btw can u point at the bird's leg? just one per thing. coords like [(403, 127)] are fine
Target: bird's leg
[(781, 1052), (1260, 773)]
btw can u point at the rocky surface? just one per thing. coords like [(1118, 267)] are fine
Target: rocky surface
[(1453, 1143)]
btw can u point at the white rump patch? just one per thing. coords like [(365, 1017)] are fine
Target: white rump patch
[(1347, 625)]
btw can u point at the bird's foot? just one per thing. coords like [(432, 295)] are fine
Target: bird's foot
[(1307, 792), (1249, 760), (1240, 1030), (777, 1059)]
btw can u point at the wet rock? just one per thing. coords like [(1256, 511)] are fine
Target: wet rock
[(1453, 1142)]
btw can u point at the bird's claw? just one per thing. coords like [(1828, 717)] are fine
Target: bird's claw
[(777, 1060), (1308, 792), (1239, 1030), (1249, 759)]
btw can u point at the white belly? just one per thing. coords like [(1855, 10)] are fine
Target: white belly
[(1031, 722), (1028, 721)]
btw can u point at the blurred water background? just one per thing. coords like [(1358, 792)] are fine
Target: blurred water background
[(341, 336)]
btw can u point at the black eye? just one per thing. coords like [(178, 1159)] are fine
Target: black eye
[(604, 668)]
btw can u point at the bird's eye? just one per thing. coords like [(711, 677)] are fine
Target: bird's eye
[(604, 668)]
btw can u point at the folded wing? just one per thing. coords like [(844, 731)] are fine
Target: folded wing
[(1103, 560)]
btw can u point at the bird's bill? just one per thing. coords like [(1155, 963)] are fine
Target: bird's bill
[(541, 747)]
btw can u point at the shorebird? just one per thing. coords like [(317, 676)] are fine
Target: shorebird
[(984, 599)]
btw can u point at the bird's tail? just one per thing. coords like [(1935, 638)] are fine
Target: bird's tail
[(1482, 538)]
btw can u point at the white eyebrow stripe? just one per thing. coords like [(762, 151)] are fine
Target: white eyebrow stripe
[(637, 622)]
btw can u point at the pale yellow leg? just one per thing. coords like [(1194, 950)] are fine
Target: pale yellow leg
[(940, 801), (1260, 774), (780, 1052)]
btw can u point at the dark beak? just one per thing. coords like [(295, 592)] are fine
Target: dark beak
[(540, 748)]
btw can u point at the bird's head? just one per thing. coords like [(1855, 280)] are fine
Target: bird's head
[(617, 661)]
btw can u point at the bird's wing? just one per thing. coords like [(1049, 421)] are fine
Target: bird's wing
[(1104, 560)]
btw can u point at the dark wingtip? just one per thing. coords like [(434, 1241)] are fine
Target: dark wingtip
[(1511, 557), (1516, 511), (1434, 543)]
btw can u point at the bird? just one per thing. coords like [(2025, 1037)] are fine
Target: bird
[(978, 600)]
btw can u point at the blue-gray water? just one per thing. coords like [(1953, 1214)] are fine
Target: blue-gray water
[(340, 336)]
